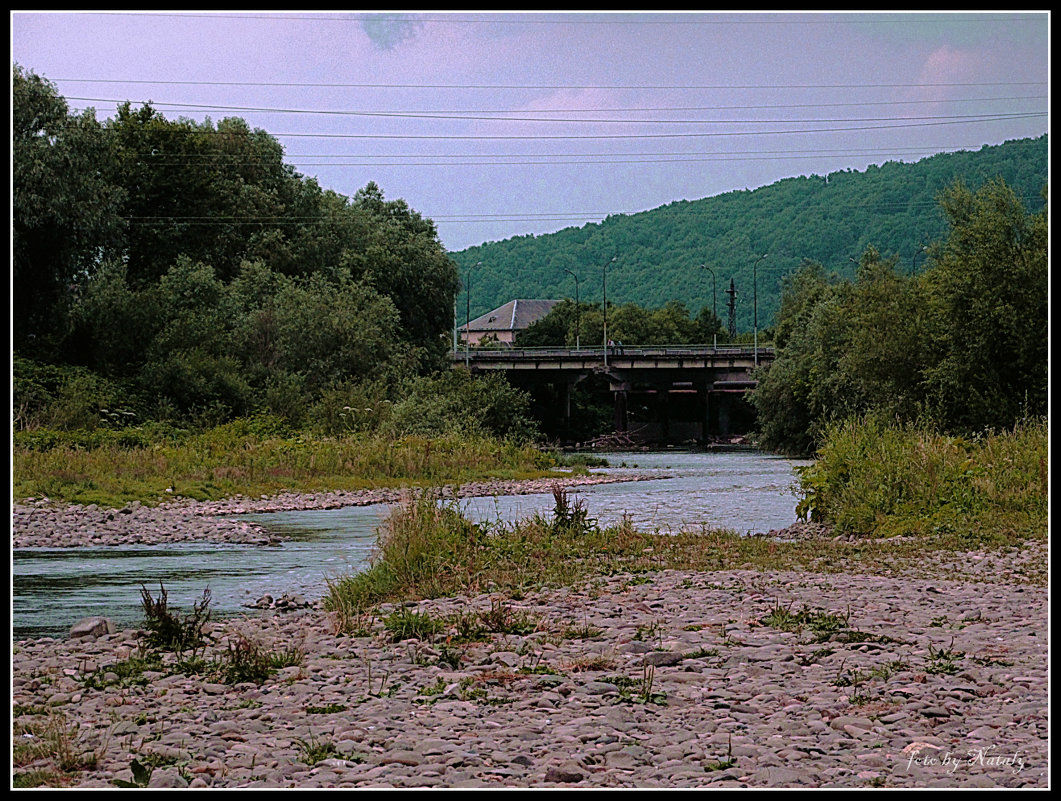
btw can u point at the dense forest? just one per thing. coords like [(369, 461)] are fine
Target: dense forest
[(169, 270), (830, 219)]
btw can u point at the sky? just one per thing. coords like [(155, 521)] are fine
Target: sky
[(497, 125)]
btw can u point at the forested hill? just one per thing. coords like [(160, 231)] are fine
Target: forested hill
[(828, 219)]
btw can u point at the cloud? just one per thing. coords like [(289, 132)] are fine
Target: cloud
[(389, 31)]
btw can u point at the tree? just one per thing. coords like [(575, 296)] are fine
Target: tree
[(65, 215), (399, 254), (987, 283)]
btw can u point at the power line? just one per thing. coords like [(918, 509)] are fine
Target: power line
[(679, 135), (572, 20), (223, 220), (431, 112), (468, 116), (552, 86)]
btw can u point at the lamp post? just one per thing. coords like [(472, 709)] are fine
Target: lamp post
[(755, 305), (612, 259), (578, 309), (714, 299), (468, 315)]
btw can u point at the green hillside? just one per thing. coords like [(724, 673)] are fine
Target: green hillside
[(827, 219)]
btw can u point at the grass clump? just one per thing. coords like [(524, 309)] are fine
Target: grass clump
[(881, 480), (406, 624), (245, 660), (173, 631)]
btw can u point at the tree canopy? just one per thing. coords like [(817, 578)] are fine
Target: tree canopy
[(189, 268), (962, 345)]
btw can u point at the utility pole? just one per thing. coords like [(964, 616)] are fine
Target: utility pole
[(468, 315), (605, 283), (755, 291), (732, 303)]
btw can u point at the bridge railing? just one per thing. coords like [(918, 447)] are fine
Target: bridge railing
[(674, 351)]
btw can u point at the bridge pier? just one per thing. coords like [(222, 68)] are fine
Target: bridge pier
[(621, 416), (681, 393)]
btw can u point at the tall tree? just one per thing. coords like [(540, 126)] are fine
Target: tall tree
[(65, 207), (988, 285)]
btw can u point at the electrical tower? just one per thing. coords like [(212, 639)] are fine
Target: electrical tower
[(732, 303)]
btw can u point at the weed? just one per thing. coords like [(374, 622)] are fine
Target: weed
[(172, 631), (292, 656), (815, 656), (141, 775), (701, 653), (312, 751), (638, 690), (944, 660), (125, 673), (450, 656), (652, 631), (591, 662), (405, 624), (502, 619), (437, 688), (722, 764), (328, 709), (245, 660), (53, 741)]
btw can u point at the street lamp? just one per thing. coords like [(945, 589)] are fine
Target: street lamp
[(612, 259), (714, 298), (578, 309), (755, 305), (468, 315)]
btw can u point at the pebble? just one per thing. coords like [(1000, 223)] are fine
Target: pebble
[(758, 707)]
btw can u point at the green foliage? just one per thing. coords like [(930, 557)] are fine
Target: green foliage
[(962, 345), (188, 263), (826, 219), (66, 207), (881, 480), (671, 324), (455, 402), (245, 661), (173, 631), (141, 775), (988, 287)]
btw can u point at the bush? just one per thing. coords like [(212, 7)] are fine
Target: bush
[(875, 479), (173, 631)]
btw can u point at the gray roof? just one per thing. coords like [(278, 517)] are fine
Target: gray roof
[(516, 315)]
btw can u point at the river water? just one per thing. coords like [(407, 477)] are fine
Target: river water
[(52, 588)]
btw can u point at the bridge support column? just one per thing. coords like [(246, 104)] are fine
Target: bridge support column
[(724, 404), (705, 414), (664, 413), (620, 410)]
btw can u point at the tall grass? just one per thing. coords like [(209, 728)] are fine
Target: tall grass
[(229, 460), (427, 549), (875, 479)]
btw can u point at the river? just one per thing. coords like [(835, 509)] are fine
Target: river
[(52, 588)]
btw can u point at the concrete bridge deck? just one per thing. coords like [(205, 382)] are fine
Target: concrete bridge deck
[(704, 380)]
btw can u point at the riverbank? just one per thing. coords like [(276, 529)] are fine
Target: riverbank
[(39, 523), (668, 678)]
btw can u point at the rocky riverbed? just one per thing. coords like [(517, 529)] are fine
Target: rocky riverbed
[(38, 522), (666, 679)]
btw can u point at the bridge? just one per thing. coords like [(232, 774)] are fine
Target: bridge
[(679, 393)]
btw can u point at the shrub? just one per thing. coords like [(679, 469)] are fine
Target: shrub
[(173, 631)]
